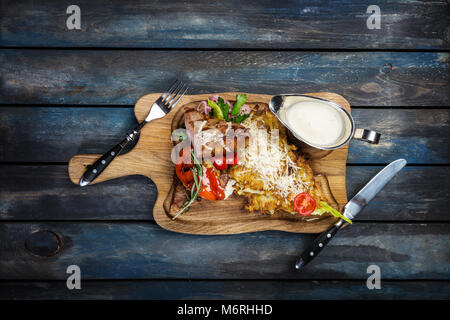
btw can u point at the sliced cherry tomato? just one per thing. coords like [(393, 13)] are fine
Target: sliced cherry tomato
[(220, 164), (232, 160), (304, 204)]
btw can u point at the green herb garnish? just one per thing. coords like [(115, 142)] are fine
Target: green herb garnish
[(216, 110), (240, 101), (325, 207), (197, 172), (238, 119), (221, 109), (224, 107)]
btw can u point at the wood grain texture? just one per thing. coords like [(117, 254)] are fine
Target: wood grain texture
[(45, 193), (50, 129), (146, 251), (151, 157), (229, 290), (54, 134), (226, 24), (118, 77)]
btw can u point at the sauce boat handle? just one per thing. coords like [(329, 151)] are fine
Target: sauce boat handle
[(366, 135)]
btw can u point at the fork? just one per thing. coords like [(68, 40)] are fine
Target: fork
[(159, 109)]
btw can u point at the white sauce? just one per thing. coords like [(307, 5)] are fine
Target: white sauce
[(316, 122)]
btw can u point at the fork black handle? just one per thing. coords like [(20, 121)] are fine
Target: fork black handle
[(94, 170), (317, 245), (164, 103)]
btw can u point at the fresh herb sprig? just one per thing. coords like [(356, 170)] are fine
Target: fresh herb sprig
[(221, 109), (225, 108), (241, 117), (197, 173), (240, 101)]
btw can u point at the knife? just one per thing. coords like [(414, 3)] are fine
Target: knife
[(351, 210), (158, 110)]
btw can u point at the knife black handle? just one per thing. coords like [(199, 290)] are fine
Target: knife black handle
[(317, 245), (98, 166)]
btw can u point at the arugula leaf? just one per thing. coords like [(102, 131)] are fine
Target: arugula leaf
[(325, 207), (240, 101), (217, 111), (238, 119), (224, 107), (221, 109)]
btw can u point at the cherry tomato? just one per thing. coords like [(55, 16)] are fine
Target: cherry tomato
[(304, 204), (220, 164), (231, 161)]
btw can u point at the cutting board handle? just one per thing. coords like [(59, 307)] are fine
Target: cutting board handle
[(121, 166)]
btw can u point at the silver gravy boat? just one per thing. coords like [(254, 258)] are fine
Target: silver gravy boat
[(279, 102)]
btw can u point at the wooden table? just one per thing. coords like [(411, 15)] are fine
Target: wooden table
[(64, 92)]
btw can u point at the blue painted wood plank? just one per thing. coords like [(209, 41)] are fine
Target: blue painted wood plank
[(45, 193), (419, 136), (118, 77), (145, 251), (229, 290), (49, 134), (227, 24), (416, 193)]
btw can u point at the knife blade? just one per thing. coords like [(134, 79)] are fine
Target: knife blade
[(371, 189), (351, 210)]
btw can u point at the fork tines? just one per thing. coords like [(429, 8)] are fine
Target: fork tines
[(171, 97)]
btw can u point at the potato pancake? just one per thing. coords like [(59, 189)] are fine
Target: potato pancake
[(271, 172)]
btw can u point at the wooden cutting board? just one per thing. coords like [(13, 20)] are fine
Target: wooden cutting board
[(151, 157)]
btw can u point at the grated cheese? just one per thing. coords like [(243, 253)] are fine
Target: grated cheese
[(270, 161)]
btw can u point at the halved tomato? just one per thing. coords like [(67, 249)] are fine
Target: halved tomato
[(222, 164), (304, 204)]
